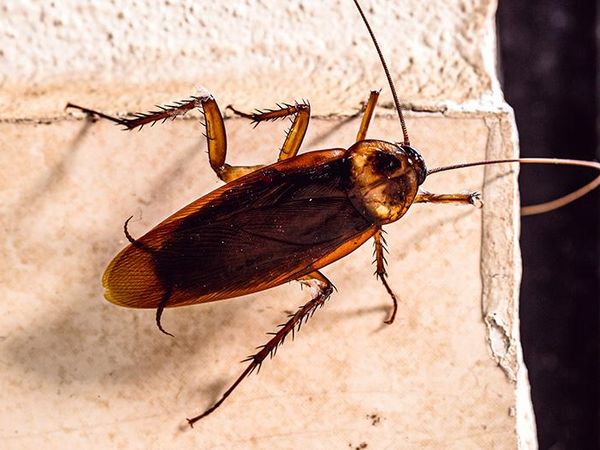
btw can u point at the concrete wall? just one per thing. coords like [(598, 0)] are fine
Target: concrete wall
[(81, 371)]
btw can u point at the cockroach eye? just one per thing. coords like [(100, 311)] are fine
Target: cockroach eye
[(386, 164), (416, 161)]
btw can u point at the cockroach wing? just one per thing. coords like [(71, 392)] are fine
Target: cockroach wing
[(269, 227)]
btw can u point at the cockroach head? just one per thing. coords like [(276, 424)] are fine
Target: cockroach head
[(384, 178)]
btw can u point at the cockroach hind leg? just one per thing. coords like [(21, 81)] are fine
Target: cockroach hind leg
[(295, 321), (95, 115), (237, 112), (138, 120), (294, 135), (267, 115)]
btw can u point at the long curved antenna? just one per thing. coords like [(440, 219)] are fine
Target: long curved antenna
[(539, 208), (387, 74)]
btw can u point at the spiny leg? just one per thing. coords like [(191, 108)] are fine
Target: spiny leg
[(213, 121), (290, 147), (140, 119), (296, 132), (322, 289), (215, 128), (472, 198), (381, 273), (368, 109)]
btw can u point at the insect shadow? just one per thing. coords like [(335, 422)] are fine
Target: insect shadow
[(52, 180), (83, 345), (64, 348)]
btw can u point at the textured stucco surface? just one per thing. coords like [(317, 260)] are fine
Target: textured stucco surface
[(80, 372), (129, 55)]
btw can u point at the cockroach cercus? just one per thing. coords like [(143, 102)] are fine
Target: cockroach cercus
[(276, 223)]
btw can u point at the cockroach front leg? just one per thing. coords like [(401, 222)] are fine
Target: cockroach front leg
[(321, 290), (296, 132), (368, 111), (381, 273), (472, 198)]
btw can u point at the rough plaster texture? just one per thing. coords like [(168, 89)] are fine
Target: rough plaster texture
[(128, 55), (83, 373)]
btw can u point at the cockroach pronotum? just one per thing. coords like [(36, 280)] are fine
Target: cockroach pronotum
[(276, 223)]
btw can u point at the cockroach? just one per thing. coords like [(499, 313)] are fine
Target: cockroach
[(272, 224)]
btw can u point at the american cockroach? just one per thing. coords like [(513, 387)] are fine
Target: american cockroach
[(276, 223)]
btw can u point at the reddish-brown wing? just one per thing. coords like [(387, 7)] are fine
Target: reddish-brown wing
[(259, 231)]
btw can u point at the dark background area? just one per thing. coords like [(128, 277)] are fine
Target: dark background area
[(548, 65)]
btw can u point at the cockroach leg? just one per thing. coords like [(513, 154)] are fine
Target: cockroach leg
[(215, 130), (381, 273), (217, 145), (368, 111), (265, 115), (229, 173), (218, 148), (296, 132), (140, 119), (472, 198), (92, 113), (321, 289), (249, 116)]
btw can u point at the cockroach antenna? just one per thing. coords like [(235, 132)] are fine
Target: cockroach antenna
[(387, 74), (545, 207)]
